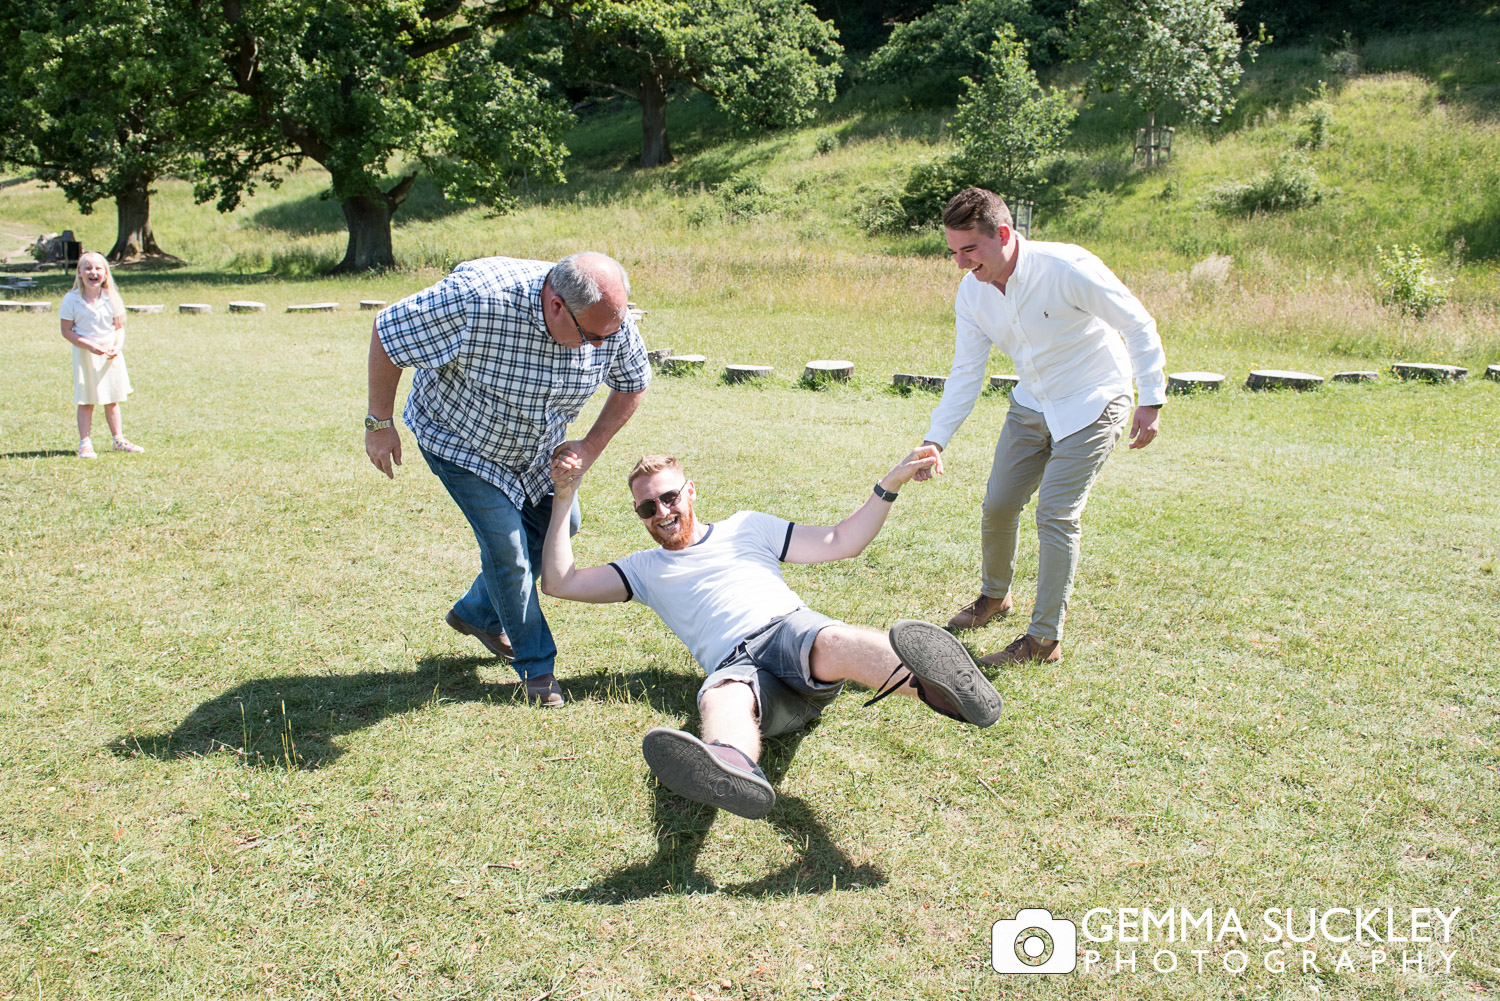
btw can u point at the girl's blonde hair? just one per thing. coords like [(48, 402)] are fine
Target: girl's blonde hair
[(115, 302)]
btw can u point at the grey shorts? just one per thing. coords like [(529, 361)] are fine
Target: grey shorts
[(775, 661)]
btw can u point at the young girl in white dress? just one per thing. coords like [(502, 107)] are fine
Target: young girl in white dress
[(93, 321)]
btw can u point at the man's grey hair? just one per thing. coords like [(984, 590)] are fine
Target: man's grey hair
[(573, 278)]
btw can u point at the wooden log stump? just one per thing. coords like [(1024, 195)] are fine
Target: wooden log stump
[(1193, 382), (658, 355), (372, 304), (932, 383), (9, 306), (745, 373), (1363, 376), (1004, 383), (1493, 372), (36, 307), (682, 364), (195, 308), (314, 307), (1274, 378), (823, 370), (1425, 372), (246, 306), (152, 308)]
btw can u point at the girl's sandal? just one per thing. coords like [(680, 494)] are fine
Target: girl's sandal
[(126, 445), (86, 450)]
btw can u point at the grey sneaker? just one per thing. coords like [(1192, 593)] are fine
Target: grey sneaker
[(716, 773), (496, 643), (946, 677)]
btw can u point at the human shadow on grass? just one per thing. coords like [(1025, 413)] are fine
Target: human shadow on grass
[(296, 721), (682, 828), (44, 453)]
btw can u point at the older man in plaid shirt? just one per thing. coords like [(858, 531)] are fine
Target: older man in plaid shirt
[(506, 354)]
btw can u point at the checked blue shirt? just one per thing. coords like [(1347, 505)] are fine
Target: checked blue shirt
[(492, 391)]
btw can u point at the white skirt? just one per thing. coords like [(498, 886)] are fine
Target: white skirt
[(97, 379)]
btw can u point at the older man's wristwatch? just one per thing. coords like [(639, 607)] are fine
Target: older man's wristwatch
[(371, 424)]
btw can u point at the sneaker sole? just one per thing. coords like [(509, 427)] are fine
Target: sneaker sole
[(685, 765), (936, 657)]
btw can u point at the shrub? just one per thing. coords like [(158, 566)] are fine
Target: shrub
[(1405, 283), (745, 196), (1315, 127), (1292, 184), (826, 143)]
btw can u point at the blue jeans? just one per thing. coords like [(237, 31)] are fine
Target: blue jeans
[(503, 598)]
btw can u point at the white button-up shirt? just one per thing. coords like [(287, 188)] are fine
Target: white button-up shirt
[(1073, 330)]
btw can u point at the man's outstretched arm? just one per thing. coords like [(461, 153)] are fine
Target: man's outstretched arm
[(824, 543), (561, 578)]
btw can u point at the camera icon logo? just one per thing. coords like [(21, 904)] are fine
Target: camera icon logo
[(1034, 942)]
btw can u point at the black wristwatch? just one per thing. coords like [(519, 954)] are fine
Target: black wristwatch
[(371, 424), (884, 494)]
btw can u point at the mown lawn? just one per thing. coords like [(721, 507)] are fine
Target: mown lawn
[(244, 757)]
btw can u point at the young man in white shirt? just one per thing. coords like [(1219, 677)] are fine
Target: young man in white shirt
[(1076, 335), (773, 663)]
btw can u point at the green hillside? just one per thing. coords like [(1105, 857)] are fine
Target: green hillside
[(768, 236)]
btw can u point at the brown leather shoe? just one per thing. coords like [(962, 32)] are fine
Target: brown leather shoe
[(496, 643), (544, 691), (981, 610), (1026, 649)]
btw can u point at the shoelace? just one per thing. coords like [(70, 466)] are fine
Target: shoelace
[(887, 688)]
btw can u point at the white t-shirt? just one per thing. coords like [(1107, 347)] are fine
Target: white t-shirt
[(94, 322), (720, 589)]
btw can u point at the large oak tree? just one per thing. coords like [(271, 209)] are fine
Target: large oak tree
[(376, 92), (99, 99)]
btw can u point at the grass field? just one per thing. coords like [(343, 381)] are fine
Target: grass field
[(243, 757)]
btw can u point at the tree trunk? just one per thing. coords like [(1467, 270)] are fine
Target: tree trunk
[(1151, 139), (653, 97), (369, 221), (133, 236)]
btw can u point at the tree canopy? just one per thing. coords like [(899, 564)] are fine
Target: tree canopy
[(767, 63), (1155, 51), (377, 92), (1006, 123), (100, 100)]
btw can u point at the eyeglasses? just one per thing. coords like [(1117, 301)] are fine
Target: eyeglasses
[(647, 508), (585, 334)]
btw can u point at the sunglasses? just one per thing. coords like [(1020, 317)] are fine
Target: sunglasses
[(584, 334), (647, 508)]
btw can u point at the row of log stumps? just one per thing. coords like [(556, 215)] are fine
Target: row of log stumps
[(197, 308), (1194, 382)]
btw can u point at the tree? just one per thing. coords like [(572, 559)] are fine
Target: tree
[(951, 40), (376, 92), (97, 100), (766, 62), (1184, 51), (1005, 123)]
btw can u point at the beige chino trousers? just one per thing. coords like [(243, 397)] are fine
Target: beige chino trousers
[(1026, 458)]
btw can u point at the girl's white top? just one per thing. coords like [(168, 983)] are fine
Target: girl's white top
[(93, 321)]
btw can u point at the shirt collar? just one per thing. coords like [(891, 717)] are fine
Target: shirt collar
[(1023, 261)]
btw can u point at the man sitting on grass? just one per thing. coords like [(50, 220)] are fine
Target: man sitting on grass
[(772, 662)]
